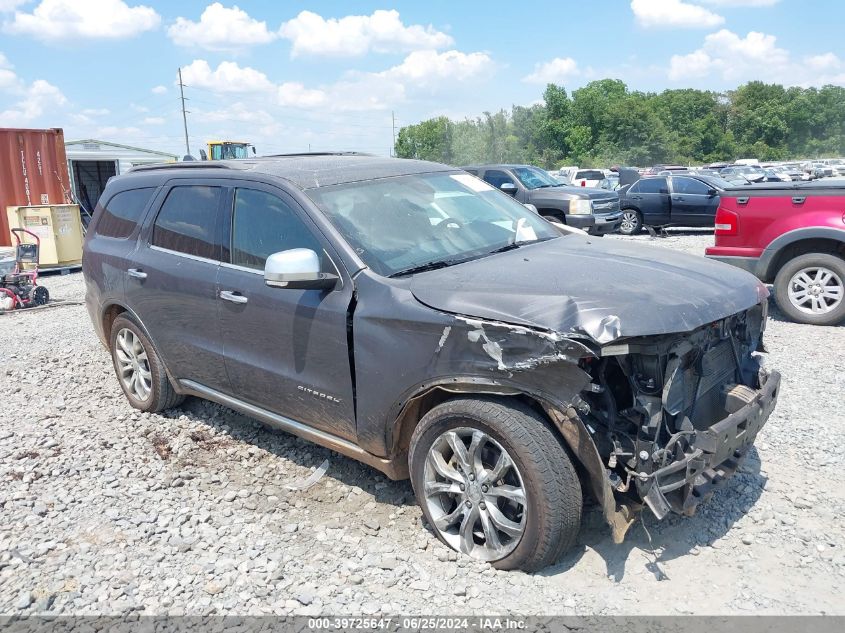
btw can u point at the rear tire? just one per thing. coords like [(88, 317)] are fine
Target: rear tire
[(535, 498), (632, 222), (810, 288), (139, 369)]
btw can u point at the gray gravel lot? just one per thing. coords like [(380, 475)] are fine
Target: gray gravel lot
[(105, 510)]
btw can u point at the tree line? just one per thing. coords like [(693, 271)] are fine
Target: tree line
[(605, 123)]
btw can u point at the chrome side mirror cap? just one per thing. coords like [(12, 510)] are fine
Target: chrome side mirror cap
[(297, 268)]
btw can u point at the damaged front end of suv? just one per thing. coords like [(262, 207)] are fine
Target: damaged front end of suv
[(673, 416)]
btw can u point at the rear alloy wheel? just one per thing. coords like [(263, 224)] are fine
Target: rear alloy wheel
[(632, 222), (139, 369), (495, 483), (811, 289)]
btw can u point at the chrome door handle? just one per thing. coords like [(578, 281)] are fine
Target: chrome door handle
[(136, 273), (230, 295)]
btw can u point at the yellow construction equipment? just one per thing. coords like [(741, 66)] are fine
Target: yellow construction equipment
[(225, 150)]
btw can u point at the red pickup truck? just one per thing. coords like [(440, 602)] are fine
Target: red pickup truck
[(791, 235)]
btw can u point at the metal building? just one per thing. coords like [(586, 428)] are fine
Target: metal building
[(91, 163)]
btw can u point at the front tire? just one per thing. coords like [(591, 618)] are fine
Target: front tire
[(139, 369), (495, 482), (811, 289), (632, 222)]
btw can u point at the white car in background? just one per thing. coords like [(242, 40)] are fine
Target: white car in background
[(588, 177)]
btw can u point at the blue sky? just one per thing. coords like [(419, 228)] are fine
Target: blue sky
[(293, 76)]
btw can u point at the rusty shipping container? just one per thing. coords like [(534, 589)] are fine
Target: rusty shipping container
[(33, 171)]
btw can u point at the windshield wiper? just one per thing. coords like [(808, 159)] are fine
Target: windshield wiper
[(442, 263)]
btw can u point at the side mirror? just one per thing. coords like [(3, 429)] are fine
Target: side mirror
[(508, 187), (297, 268), (253, 149), (203, 155), (711, 192)]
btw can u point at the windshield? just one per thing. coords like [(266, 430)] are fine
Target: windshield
[(534, 177), (400, 223), (717, 182)]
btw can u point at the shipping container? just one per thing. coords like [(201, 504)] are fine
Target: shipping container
[(33, 171)]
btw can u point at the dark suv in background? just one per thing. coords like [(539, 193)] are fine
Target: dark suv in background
[(415, 318), (591, 209)]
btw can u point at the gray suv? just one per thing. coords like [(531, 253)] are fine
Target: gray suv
[(411, 316)]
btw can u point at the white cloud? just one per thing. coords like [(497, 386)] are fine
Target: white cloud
[(357, 91), (742, 3), (153, 120), (67, 19), (733, 57), (673, 14), (737, 59), (96, 111), (557, 70), (825, 62), (220, 29), (39, 97), (297, 95), (159, 90), (7, 6), (354, 35), (227, 77), (425, 67)]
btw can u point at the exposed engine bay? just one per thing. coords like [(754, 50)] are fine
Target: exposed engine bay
[(673, 415)]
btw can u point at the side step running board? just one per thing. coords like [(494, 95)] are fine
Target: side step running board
[(344, 447)]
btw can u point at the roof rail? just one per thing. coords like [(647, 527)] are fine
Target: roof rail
[(185, 164), (295, 154)]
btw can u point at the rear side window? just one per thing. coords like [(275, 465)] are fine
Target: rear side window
[(652, 185), (188, 221), (121, 214), (263, 224)]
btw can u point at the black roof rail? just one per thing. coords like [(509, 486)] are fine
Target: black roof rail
[(185, 164), (295, 154)]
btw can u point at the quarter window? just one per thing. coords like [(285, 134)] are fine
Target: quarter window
[(187, 222), (263, 224), (121, 214)]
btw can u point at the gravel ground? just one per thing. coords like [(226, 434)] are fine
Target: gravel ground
[(106, 510)]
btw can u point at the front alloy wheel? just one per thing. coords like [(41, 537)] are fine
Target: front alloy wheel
[(495, 482), (631, 222), (474, 493)]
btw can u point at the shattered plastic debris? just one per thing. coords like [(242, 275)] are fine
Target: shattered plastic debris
[(311, 480)]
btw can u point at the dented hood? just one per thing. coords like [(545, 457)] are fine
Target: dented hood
[(604, 288)]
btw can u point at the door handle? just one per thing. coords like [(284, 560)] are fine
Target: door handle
[(798, 199), (234, 297), (136, 273)]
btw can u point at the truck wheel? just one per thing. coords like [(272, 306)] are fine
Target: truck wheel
[(632, 222), (139, 370), (811, 289), (560, 218), (495, 483)]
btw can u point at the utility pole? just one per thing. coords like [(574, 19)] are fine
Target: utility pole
[(393, 124), (184, 117)]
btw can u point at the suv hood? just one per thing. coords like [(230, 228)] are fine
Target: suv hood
[(606, 290)]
